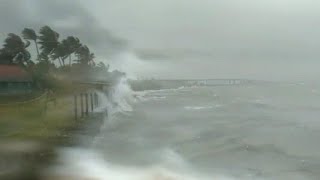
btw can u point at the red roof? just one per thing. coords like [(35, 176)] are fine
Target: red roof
[(9, 73)]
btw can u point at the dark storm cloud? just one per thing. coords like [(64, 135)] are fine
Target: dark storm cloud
[(228, 29), (217, 38), (66, 17)]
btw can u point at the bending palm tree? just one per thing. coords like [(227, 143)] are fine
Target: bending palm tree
[(72, 44), (85, 57), (30, 34), (60, 53), (48, 40), (15, 49)]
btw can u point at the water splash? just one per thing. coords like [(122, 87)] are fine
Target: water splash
[(117, 99), (86, 164), (134, 66), (121, 96), (104, 103)]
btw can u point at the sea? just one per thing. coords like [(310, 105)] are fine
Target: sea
[(240, 132)]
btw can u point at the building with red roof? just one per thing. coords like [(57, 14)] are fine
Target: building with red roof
[(14, 80)]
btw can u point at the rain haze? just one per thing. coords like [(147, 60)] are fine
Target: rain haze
[(274, 39), (160, 89)]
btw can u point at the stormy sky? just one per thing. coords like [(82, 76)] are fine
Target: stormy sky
[(260, 39), (66, 17)]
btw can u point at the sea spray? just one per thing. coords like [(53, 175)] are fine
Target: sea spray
[(133, 65), (79, 163), (121, 96), (117, 99), (103, 102), (87, 164)]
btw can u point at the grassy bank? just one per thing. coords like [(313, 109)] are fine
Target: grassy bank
[(37, 117), (36, 120), (30, 133)]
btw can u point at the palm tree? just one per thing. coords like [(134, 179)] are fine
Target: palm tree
[(48, 40), (30, 34), (60, 53), (15, 49), (101, 66), (72, 44), (85, 57)]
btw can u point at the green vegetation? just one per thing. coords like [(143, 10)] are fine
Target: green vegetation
[(60, 69), (55, 59), (36, 120), (55, 65)]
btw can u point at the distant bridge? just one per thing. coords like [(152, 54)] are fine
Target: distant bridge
[(212, 82)]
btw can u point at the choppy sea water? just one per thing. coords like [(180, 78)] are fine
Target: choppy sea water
[(227, 132)]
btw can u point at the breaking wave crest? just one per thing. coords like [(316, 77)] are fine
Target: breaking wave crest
[(117, 99), (79, 163)]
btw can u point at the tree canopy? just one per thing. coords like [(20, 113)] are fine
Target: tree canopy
[(14, 50), (48, 48), (48, 40), (30, 34), (52, 54)]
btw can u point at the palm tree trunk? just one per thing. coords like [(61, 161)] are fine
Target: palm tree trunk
[(35, 42), (70, 60), (60, 62), (63, 62)]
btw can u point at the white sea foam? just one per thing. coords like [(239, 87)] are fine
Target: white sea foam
[(151, 98), (197, 107), (118, 99), (148, 95), (103, 102), (86, 164), (77, 163), (121, 96)]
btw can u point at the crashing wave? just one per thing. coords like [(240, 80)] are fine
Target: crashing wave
[(86, 164)]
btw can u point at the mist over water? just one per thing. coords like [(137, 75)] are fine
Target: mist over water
[(135, 67), (253, 131), (265, 131), (178, 64)]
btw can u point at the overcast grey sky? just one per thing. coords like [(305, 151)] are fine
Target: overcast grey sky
[(267, 26), (245, 38)]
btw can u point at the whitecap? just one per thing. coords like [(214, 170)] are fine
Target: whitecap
[(197, 107)]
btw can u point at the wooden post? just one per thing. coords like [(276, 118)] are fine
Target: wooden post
[(96, 99), (75, 107), (91, 100), (82, 111), (87, 104)]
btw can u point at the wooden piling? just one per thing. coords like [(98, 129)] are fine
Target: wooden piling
[(82, 110), (96, 99), (87, 104), (91, 100), (75, 107)]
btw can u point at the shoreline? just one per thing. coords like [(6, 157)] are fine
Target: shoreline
[(32, 154)]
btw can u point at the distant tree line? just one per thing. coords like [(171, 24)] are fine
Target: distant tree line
[(52, 54)]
